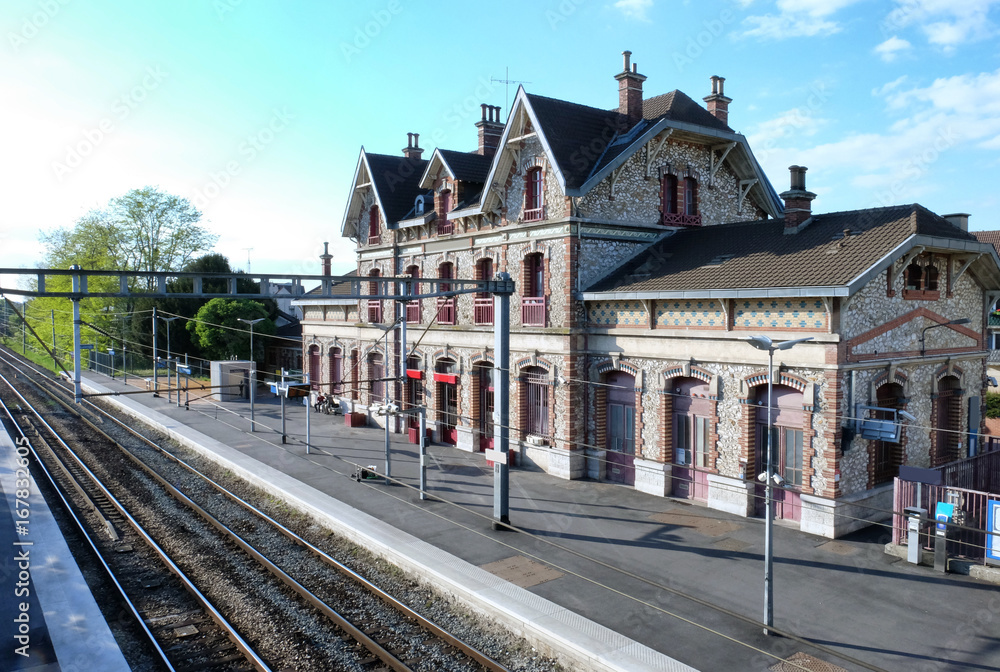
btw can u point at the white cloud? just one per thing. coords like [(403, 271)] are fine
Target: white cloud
[(635, 9), (802, 18), (890, 50), (945, 23), (899, 163)]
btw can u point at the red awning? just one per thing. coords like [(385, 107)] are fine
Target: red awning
[(415, 373), (446, 378)]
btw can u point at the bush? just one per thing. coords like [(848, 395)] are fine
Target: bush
[(993, 404)]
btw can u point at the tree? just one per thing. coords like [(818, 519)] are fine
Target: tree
[(144, 230), (218, 332)]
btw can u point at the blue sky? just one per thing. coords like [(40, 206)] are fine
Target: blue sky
[(256, 111)]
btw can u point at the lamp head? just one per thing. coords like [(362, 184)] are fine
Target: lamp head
[(760, 342)]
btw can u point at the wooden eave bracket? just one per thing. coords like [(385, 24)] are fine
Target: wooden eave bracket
[(714, 164), (914, 253), (965, 266), (745, 187), (615, 175), (652, 154)]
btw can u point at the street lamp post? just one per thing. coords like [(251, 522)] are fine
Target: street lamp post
[(253, 367), (766, 344), (923, 332)]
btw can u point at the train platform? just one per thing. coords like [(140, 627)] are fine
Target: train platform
[(596, 573), (49, 619)]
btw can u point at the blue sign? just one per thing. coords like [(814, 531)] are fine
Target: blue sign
[(161, 365), (993, 525), (943, 513), (186, 370)]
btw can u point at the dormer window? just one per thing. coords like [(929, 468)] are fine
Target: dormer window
[(373, 226), (533, 199), (680, 201), (418, 205)]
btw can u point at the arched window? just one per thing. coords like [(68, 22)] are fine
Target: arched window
[(669, 194), (374, 238), (446, 305), (314, 367), (535, 400), (376, 373), (533, 298), (914, 276), (374, 305), (413, 307), (690, 196), (336, 370), (533, 198), (483, 303), (444, 224)]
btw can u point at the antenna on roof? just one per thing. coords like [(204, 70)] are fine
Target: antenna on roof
[(506, 81), (249, 250)]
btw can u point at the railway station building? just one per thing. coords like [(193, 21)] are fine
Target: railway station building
[(647, 245)]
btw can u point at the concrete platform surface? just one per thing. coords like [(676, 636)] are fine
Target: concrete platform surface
[(618, 563)]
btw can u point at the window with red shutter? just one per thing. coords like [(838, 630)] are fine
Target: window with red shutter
[(533, 200)]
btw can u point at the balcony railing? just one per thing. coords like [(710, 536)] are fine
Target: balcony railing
[(446, 227), (534, 214), (413, 312), (375, 240), (482, 310), (994, 320), (677, 219), (374, 311), (446, 310), (533, 311)]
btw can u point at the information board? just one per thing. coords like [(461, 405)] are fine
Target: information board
[(993, 525)]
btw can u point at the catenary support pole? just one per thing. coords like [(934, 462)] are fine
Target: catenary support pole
[(422, 427), (156, 360), (307, 399), (77, 392), (284, 435), (501, 415)]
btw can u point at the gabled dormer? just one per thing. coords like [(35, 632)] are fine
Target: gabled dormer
[(383, 191)]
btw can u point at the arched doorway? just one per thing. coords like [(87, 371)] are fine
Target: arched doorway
[(446, 394), (692, 418), (620, 433), (787, 449), (482, 381), (887, 456), (948, 420), (314, 367)]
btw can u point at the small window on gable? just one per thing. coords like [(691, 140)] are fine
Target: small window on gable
[(533, 199), (921, 281), (418, 205), (914, 276)]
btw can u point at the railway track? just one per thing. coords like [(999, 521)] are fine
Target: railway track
[(297, 606)]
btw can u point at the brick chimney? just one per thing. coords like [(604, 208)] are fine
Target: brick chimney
[(412, 149), (326, 258), (630, 91), (490, 129), (798, 201), (718, 103), (959, 219)]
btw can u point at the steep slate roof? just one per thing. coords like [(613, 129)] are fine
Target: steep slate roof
[(678, 106), (396, 180), (573, 132), (760, 254), (467, 166)]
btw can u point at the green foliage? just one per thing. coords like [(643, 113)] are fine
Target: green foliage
[(219, 333), (143, 230), (993, 404)]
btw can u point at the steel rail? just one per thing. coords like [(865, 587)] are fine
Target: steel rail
[(86, 535), (373, 646), (216, 616)]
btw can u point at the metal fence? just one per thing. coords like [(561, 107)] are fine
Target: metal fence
[(970, 512)]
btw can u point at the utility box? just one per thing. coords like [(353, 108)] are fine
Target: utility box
[(915, 517), (231, 380)]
